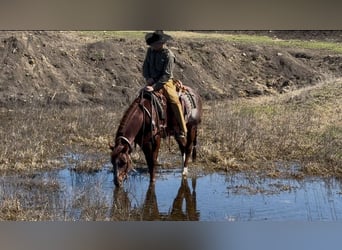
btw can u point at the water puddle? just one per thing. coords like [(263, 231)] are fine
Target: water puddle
[(68, 195)]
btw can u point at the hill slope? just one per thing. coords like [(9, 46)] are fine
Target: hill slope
[(70, 68)]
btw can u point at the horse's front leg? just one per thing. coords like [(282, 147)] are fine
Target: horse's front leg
[(151, 150)]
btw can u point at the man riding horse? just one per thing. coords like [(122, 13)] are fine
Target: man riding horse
[(158, 72), (146, 120)]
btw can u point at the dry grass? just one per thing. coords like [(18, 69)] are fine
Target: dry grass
[(239, 38), (303, 127), (39, 138), (25, 198)]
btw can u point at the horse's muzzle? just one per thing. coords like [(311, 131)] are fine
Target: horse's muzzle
[(119, 179)]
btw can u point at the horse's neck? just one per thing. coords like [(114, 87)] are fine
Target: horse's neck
[(131, 123)]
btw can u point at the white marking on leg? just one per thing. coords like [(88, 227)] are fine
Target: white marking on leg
[(185, 169)]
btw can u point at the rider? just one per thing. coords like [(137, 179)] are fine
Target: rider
[(158, 72)]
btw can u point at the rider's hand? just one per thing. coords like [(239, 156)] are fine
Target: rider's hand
[(149, 88)]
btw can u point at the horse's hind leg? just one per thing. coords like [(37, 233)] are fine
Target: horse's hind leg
[(188, 149), (182, 149)]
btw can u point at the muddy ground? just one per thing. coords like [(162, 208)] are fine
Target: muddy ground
[(70, 68)]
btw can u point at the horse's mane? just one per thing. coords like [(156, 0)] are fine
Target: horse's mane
[(127, 117)]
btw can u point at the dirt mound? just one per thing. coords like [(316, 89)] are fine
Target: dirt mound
[(66, 68)]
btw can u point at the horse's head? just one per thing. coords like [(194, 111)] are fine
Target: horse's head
[(121, 161)]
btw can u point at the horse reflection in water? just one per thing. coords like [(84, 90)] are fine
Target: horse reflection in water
[(149, 210)]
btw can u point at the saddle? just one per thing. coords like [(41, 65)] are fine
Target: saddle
[(186, 99), (159, 101)]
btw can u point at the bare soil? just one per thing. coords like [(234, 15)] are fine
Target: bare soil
[(68, 68)]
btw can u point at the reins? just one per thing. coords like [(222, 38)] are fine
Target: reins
[(154, 119)]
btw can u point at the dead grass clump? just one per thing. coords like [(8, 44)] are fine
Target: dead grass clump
[(15, 208), (11, 210)]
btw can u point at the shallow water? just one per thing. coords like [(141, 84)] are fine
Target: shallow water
[(214, 197)]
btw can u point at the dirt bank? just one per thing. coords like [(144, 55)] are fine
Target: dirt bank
[(69, 68)]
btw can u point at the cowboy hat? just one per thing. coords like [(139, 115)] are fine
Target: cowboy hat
[(157, 37)]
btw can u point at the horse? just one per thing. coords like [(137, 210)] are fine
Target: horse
[(147, 120)]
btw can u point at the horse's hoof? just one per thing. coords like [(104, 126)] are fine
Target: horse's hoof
[(185, 172)]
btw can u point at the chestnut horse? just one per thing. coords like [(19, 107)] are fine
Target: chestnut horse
[(145, 122)]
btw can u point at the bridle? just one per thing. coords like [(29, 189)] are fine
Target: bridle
[(124, 139)]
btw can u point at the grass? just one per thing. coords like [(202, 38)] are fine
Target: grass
[(25, 198), (235, 38), (113, 34), (302, 127), (39, 138)]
